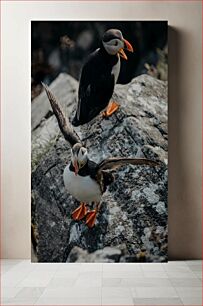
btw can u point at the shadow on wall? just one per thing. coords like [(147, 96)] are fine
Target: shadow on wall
[(183, 213)]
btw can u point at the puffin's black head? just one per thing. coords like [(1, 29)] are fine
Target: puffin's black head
[(79, 157), (114, 43)]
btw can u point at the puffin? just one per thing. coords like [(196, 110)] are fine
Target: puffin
[(83, 178), (99, 76)]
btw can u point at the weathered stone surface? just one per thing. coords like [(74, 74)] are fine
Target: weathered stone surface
[(107, 254), (132, 223), (43, 124)]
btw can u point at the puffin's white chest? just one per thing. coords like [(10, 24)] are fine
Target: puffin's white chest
[(116, 70), (83, 188)]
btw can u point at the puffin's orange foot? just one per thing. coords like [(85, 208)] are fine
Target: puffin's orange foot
[(111, 108), (91, 218), (80, 212)]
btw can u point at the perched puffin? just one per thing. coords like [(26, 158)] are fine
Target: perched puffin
[(99, 76), (83, 178)]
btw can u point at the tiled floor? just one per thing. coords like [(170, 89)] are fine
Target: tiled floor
[(173, 283)]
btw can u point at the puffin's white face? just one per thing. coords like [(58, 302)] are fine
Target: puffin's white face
[(79, 157), (113, 46)]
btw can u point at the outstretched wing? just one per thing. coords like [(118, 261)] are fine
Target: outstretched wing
[(116, 162), (69, 134)]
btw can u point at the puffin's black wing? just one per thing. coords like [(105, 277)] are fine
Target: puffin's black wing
[(105, 178), (84, 93), (116, 162), (95, 88), (65, 127)]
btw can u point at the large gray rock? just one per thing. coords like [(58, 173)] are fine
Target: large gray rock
[(132, 223)]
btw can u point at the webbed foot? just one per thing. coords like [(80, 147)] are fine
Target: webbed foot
[(80, 212), (111, 108), (91, 216)]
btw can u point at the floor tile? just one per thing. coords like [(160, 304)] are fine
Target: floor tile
[(179, 274), (155, 274), (86, 267), (88, 282), (69, 301), (153, 267), (116, 292), (6, 268), (193, 262), (70, 267), (9, 292), (90, 274), (89, 279), (4, 301), (146, 282), (10, 261), (123, 274), (198, 274), (154, 292), (21, 301), (185, 282), (136, 282), (118, 268), (73, 292), (37, 279), (112, 282), (177, 268), (196, 268), (15, 275), (117, 301), (189, 291), (61, 282), (157, 301), (176, 262), (192, 301), (67, 274), (172, 283), (50, 267), (30, 292)]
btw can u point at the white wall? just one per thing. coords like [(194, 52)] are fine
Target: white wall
[(184, 112)]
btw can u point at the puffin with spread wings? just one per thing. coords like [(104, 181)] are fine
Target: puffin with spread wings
[(83, 178), (99, 76)]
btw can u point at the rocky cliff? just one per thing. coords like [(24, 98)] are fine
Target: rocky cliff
[(132, 223)]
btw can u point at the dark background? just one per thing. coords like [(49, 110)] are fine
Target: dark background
[(62, 46)]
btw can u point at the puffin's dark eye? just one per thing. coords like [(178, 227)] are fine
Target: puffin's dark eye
[(116, 43)]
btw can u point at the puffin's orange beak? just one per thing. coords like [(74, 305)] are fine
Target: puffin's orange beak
[(122, 54), (127, 46), (76, 167)]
